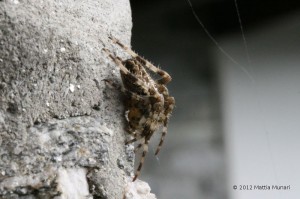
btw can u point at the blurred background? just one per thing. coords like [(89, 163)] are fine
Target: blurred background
[(236, 120)]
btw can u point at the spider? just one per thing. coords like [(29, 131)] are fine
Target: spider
[(148, 105)]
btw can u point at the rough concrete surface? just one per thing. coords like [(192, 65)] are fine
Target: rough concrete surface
[(61, 127)]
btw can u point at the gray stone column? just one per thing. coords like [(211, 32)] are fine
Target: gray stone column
[(61, 127)]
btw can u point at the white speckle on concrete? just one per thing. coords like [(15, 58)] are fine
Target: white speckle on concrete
[(44, 138), (62, 49), (130, 147), (107, 131), (45, 50), (78, 86), (47, 104), (34, 180), (73, 183), (72, 88), (1, 118), (92, 161), (138, 190), (15, 1), (17, 150), (58, 158)]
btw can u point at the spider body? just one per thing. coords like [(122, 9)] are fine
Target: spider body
[(147, 101)]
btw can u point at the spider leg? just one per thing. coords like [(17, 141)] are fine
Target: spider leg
[(136, 136), (145, 150), (169, 108), (146, 135), (131, 141), (138, 147), (113, 84), (165, 77), (164, 133), (116, 59)]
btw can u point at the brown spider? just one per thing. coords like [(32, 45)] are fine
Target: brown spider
[(148, 104)]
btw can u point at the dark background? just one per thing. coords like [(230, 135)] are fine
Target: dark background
[(191, 163), (168, 34)]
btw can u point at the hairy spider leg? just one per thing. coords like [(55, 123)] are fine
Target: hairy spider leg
[(138, 147), (148, 133), (170, 106), (136, 136), (113, 84), (165, 77), (131, 141), (145, 150), (116, 59), (163, 135)]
